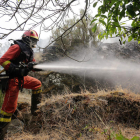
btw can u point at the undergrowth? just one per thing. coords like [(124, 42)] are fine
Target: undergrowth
[(102, 116)]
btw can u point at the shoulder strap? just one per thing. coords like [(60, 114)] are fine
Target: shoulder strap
[(12, 41)]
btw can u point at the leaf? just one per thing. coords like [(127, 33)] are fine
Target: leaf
[(124, 42), (99, 10), (133, 23), (94, 28), (130, 10), (105, 130), (86, 127), (94, 5), (103, 9), (93, 21), (118, 3), (97, 15), (91, 129), (135, 138), (116, 24), (102, 21), (112, 2), (122, 14), (123, 23), (124, 35), (120, 137), (116, 11), (130, 38), (104, 16), (115, 19)]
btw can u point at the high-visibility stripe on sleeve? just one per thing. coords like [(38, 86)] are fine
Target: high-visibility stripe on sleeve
[(5, 119), (5, 113), (38, 90), (5, 63)]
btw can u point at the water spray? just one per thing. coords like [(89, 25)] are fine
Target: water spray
[(64, 66), (114, 71)]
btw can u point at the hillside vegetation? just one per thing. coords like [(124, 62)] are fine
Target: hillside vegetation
[(99, 116)]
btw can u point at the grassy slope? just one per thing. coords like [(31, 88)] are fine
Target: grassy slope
[(85, 116)]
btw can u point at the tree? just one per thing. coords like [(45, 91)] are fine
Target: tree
[(45, 14), (80, 35), (110, 15)]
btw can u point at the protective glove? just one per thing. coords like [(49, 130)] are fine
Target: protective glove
[(24, 71), (16, 71), (31, 65)]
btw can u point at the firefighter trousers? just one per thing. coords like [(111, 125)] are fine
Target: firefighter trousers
[(10, 101)]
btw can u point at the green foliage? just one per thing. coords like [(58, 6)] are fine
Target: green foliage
[(120, 137), (110, 15), (109, 134), (94, 5), (94, 28), (80, 34), (135, 138)]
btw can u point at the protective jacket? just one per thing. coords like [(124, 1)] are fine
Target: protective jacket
[(26, 54), (16, 53)]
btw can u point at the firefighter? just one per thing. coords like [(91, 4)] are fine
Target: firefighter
[(20, 52)]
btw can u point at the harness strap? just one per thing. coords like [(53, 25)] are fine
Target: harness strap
[(20, 84)]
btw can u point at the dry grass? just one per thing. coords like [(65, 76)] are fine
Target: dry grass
[(40, 136), (85, 116), (24, 97)]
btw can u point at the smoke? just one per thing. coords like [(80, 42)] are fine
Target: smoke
[(38, 56), (114, 71)]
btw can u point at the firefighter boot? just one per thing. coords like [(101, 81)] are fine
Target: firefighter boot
[(5, 119), (35, 100), (3, 129)]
